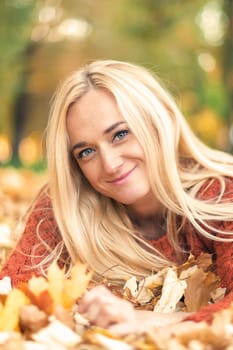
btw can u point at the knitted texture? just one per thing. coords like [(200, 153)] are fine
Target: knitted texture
[(40, 237)]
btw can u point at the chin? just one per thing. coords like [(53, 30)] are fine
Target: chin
[(128, 201), (132, 197)]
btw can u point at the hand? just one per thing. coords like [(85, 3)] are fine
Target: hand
[(105, 310)]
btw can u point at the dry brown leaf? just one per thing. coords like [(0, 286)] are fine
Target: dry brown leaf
[(32, 318), (204, 261), (204, 335), (198, 291)]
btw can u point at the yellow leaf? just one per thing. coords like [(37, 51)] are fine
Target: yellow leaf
[(9, 317), (56, 282), (37, 285), (77, 284)]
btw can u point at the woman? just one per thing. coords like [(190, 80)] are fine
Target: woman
[(131, 190)]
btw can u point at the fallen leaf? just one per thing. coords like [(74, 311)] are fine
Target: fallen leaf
[(200, 285)]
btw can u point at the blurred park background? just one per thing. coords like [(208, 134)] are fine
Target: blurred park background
[(188, 44)]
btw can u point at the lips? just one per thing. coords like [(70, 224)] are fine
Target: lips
[(122, 178)]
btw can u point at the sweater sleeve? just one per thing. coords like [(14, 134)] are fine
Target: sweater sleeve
[(223, 257), (40, 238)]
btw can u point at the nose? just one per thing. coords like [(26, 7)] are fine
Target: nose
[(111, 161)]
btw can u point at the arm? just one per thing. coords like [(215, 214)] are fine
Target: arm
[(102, 308), (39, 238)]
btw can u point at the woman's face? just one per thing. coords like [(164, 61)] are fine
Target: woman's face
[(106, 151)]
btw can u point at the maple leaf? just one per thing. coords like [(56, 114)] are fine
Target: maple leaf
[(56, 281), (9, 312), (200, 285), (76, 285)]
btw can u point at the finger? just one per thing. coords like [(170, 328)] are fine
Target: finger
[(96, 295), (93, 313), (93, 296), (103, 315)]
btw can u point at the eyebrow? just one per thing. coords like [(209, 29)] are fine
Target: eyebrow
[(106, 131), (113, 126)]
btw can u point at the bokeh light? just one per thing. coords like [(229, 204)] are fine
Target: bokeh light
[(206, 61), (5, 149), (212, 22), (30, 150)]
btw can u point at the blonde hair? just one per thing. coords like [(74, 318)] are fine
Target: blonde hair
[(96, 230)]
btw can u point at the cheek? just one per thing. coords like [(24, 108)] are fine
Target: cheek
[(90, 173), (137, 150)]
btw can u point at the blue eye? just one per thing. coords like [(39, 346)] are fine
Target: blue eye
[(121, 135), (85, 153)]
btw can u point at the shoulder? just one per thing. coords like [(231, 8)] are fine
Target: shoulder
[(40, 222), (40, 210), (42, 201), (43, 198)]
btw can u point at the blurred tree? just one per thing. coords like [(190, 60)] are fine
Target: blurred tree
[(192, 45), (160, 35), (227, 64), (16, 18), (183, 42), (188, 44)]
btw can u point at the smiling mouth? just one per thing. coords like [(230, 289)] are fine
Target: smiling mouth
[(123, 177)]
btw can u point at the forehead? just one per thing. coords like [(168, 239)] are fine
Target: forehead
[(94, 112)]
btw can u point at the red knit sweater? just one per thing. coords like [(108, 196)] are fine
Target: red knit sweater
[(30, 250)]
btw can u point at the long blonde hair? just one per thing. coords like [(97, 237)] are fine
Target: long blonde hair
[(95, 229)]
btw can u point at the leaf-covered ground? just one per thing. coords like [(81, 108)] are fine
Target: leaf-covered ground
[(18, 187), (28, 321)]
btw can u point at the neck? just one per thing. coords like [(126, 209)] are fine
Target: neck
[(146, 208), (148, 217), (149, 227)]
